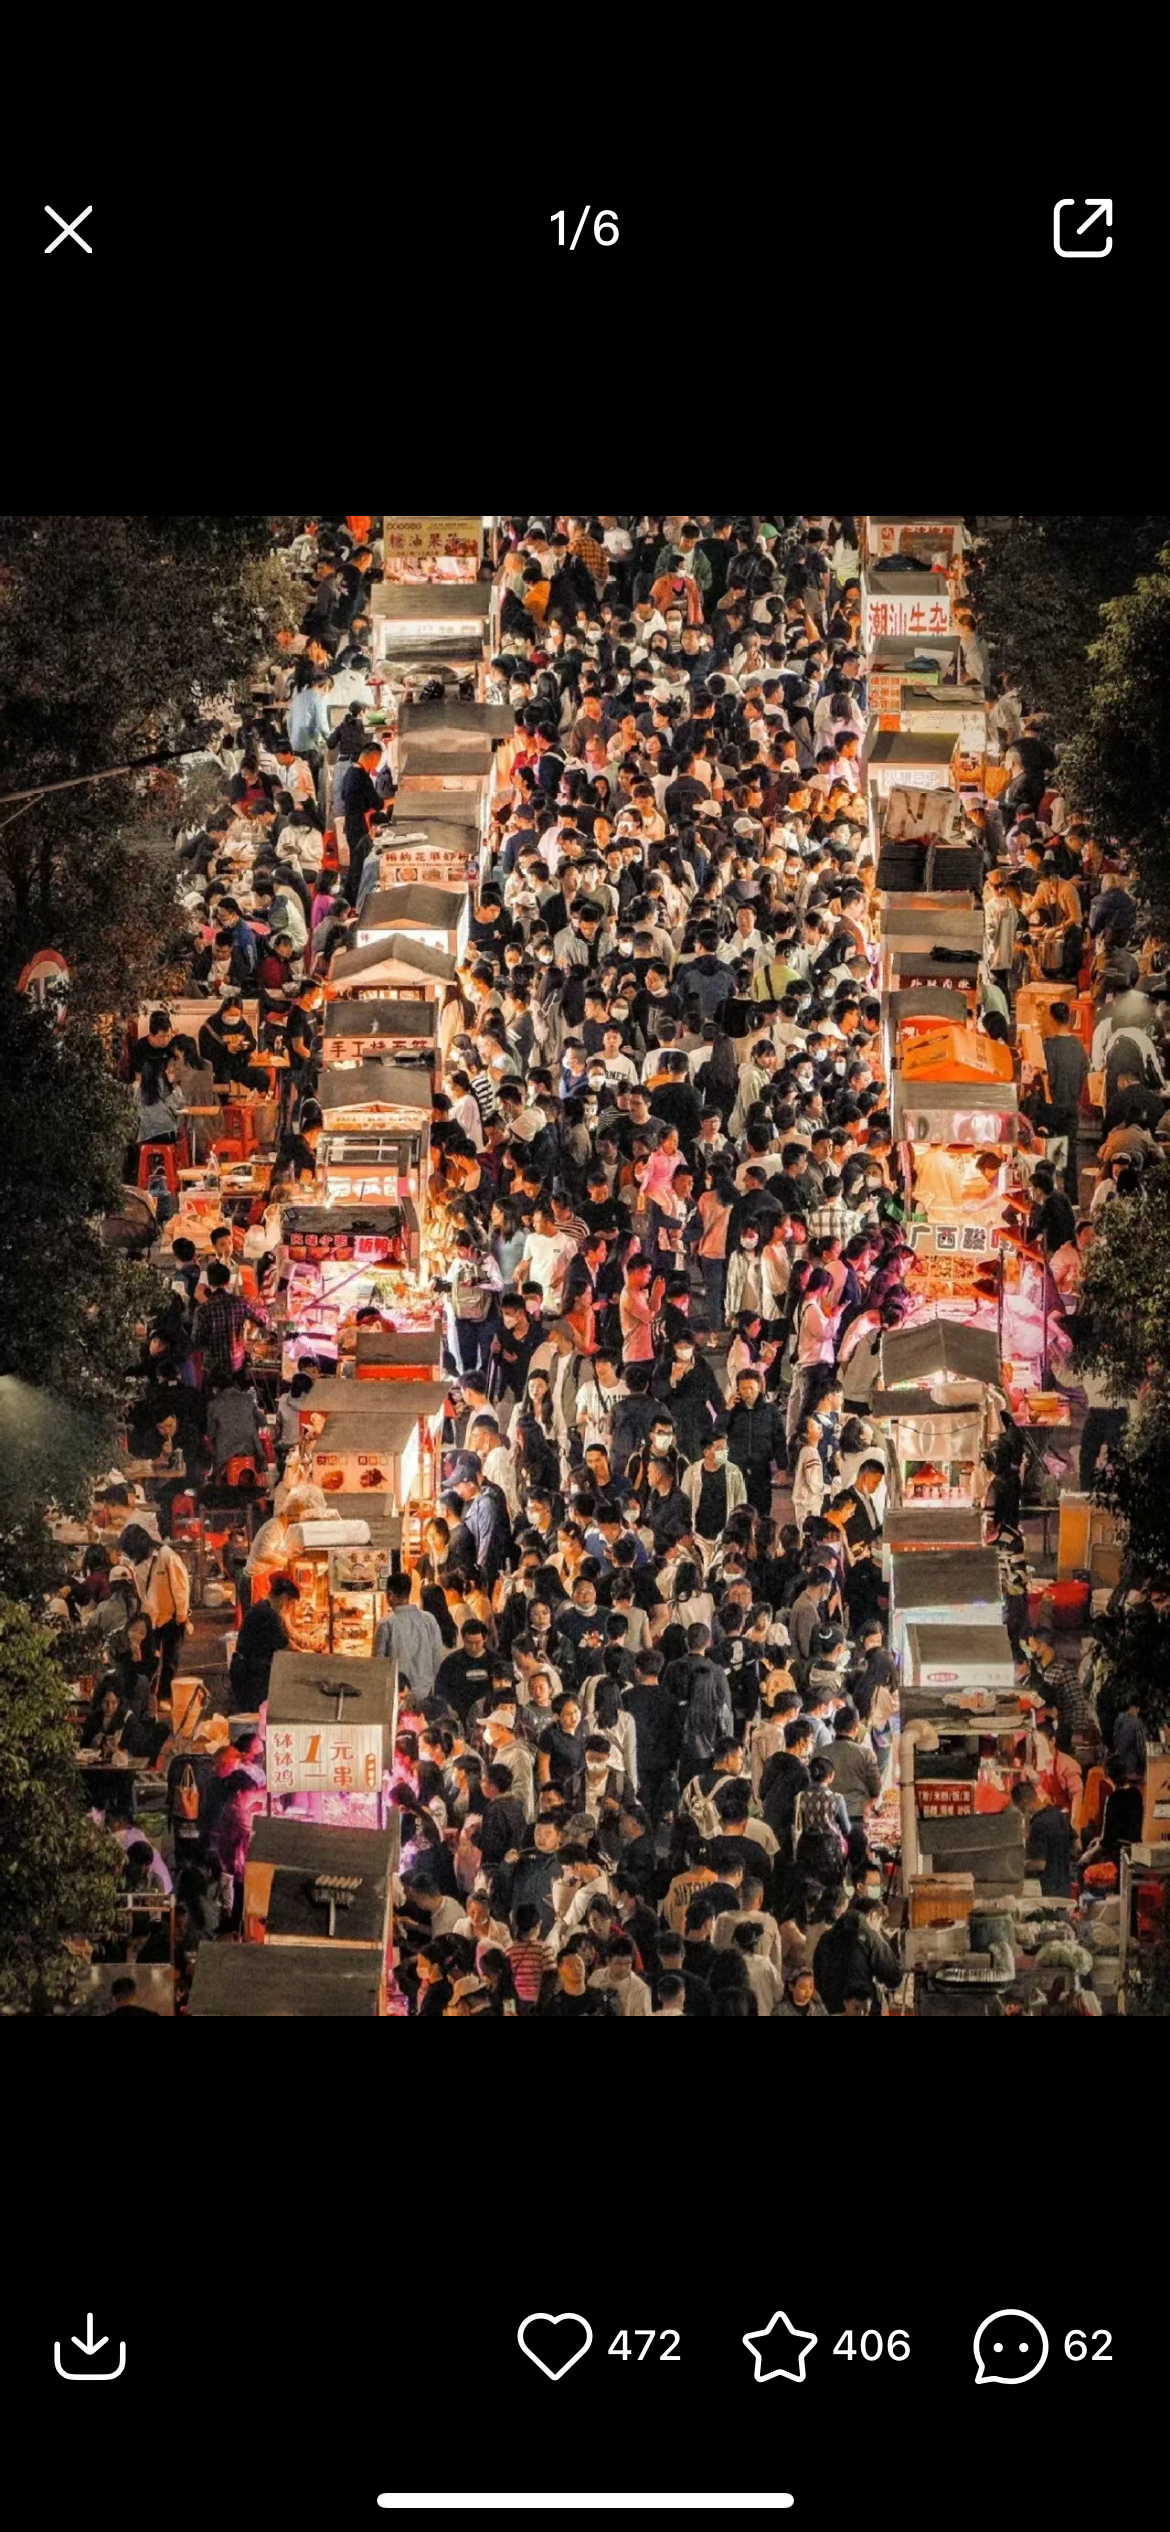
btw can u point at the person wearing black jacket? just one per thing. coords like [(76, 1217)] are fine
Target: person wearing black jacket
[(755, 1438), (854, 1953), (262, 1636), (718, 548), (785, 1777), (226, 1046), (672, 1963), (657, 1730)]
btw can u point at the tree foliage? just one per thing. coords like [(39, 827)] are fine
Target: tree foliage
[(68, 1305), (1116, 764), (1123, 1321), (59, 1872), (1039, 588), (115, 635)]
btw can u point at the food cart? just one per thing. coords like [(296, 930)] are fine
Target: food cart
[(340, 1567), (378, 1097), (382, 1443), (372, 1168), (400, 964), (426, 764), (330, 1889), (409, 1354), (454, 742), (938, 1400), (341, 1259), (280, 1982), (329, 1738), (403, 1030), (914, 932), (933, 664), (939, 1658), (419, 630), (439, 917), (959, 1587)]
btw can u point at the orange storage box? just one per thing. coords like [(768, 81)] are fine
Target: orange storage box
[(951, 1053)]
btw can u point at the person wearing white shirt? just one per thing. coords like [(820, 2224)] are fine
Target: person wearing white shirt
[(465, 1114), (623, 1982)]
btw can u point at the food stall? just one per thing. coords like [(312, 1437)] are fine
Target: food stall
[(340, 1567), (408, 1354), (931, 665), (419, 630), (382, 1444), (907, 1014), (327, 1888), (957, 1119), (439, 917), (914, 932), (465, 772), (378, 1098), (285, 1981), (341, 1259), (455, 741), (959, 1587), (403, 1030), (400, 964), (329, 1738), (376, 1135), (937, 1405), (938, 1659)]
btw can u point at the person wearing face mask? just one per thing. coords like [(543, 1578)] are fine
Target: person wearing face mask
[(687, 1385), (744, 1288), (714, 1488)]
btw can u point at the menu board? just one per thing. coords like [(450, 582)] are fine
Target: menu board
[(436, 865), (418, 548), (324, 1758), (312, 1248)]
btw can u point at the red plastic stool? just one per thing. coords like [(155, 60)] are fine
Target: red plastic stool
[(240, 1123), (154, 1155)]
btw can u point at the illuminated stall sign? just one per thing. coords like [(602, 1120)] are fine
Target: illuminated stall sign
[(324, 1758)]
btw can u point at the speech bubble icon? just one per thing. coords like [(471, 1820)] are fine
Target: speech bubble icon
[(1010, 2347)]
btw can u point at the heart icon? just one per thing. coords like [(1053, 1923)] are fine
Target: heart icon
[(573, 2323)]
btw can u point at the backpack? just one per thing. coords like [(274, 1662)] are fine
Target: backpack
[(702, 1809), (186, 1795)]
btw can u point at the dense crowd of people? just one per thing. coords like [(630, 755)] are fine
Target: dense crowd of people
[(648, 1712)]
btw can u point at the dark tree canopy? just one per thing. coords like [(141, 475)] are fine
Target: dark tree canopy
[(1116, 764), (1040, 588)]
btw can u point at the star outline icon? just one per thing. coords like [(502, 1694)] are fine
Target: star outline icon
[(754, 2341)]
